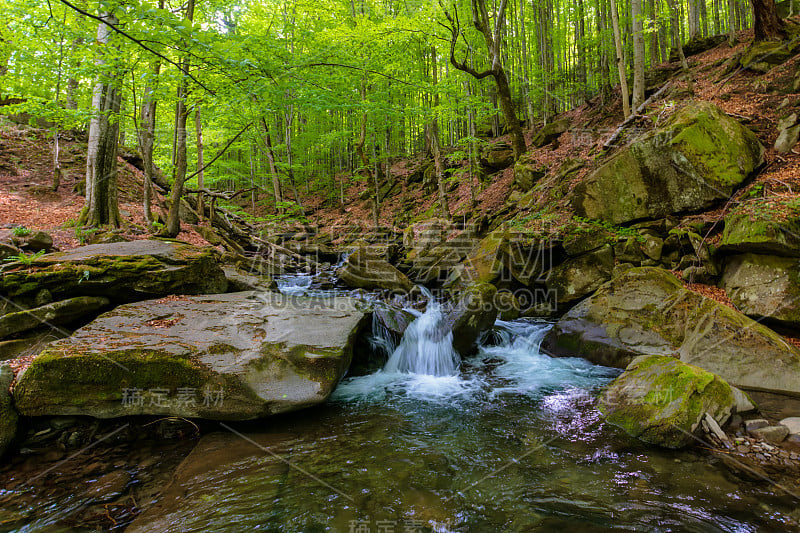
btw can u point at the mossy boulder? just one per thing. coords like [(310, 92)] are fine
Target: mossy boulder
[(123, 271), (527, 173), (580, 276), (765, 287), (647, 311), (662, 401), (473, 314), (763, 56), (761, 233), (550, 132), (235, 356), (27, 240), (8, 416), (699, 157), (366, 270), (52, 314), (498, 156), (484, 263)]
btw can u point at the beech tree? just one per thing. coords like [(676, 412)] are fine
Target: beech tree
[(767, 25)]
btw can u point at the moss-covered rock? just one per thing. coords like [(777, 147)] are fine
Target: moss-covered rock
[(8, 415), (763, 56), (762, 233), (366, 270), (580, 276), (646, 311), (699, 157), (233, 356), (765, 287), (53, 314), (550, 132), (527, 173), (662, 401), (472, 315), (123, 271)]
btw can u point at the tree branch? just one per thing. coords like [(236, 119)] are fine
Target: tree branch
[(137, 41), (220, 153)]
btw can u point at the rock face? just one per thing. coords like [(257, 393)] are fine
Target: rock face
[(473, 314), (646, 311), (765, 287), (698, 158), (366, 270), (123, 271), (233, 356), (575, 278), (662, 401), (53, 314), (8, 416), (28, 240)]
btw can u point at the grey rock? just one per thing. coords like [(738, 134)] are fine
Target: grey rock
[(775, 434), (54, 314), (752, 425), (793, 423)]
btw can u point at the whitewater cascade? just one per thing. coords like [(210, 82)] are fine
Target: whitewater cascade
[(425, 348)]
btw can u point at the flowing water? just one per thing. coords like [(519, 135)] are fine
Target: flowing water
[(507, 440)]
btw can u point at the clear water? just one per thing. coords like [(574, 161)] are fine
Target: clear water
[(508, 441), (512, 442)]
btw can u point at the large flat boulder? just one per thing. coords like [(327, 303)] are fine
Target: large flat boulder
[(699, 157), (663, 401), (765, 287), (767, 230), (120, 271), (233, 356), (647, 311)]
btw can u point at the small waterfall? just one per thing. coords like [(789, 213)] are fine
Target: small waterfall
[(425, 348)]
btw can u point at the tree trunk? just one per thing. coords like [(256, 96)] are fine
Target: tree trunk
[(623, 78), (433, 131), (767, 26), (638, 53), (101, 206), (173, 226), (731, 22), (198, 126), (147, 131)]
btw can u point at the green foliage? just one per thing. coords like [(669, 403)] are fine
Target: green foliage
[(21, 231), (84, 234), (25, 259)]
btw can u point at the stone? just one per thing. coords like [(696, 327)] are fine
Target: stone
[(763, 56), (646, 310), (698, 158), (108, 487), (498, 156), (756, 423), (774, 434), (744, 404), (472, 315), (527, 174), (579, 277), (787, 139), (662, 401), (54, 314), (7, 250), (765, 287), (363, 269), (760, 234), (550, 132), (697, 45), (239, 280), (793, 423), (235, 356), (587, 239), (507, 305), (8, 415), (123, 271), (30, 241)]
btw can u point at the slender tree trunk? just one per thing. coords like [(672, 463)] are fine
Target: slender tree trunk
[(101, 206), (433, 132), (638, 53), (173, 226), (198, 127), (623, 78), (731, 22), (276, 179)]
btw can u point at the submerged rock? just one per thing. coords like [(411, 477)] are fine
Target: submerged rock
[(234, 356), (647, 311), (662, 401), (698, 158), (120, 271)]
